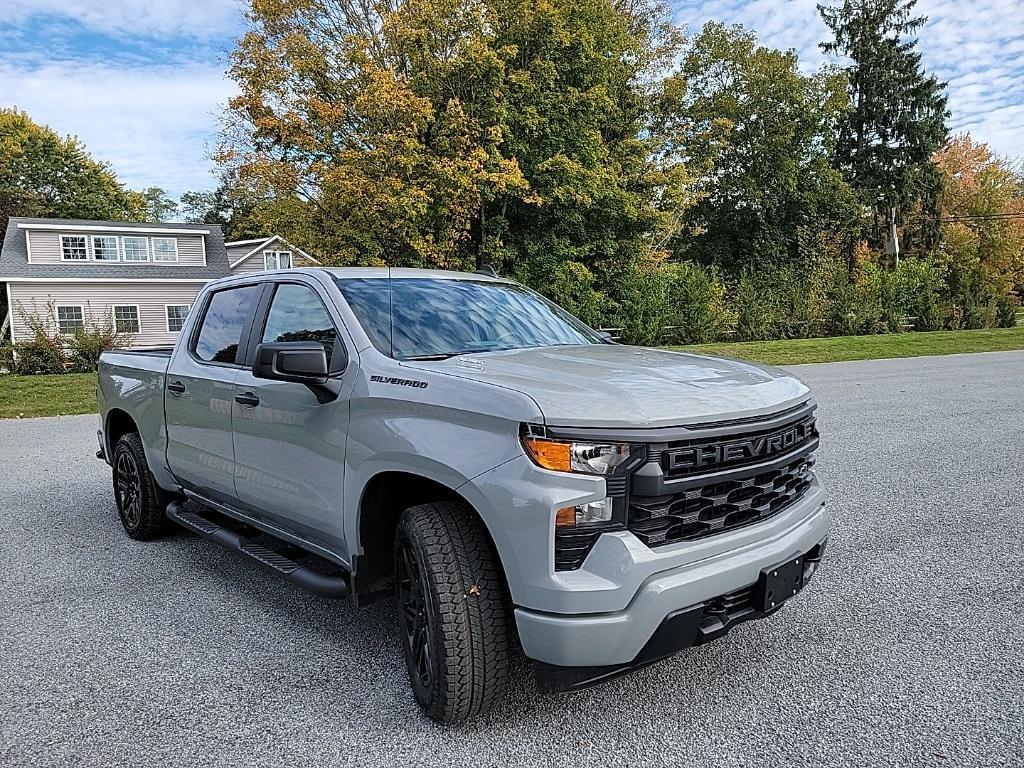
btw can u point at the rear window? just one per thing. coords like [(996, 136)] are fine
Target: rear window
[(226, 315)]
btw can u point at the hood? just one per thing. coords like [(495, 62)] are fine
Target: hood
[(611, 385)]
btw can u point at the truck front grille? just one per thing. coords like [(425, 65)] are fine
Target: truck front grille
[(724, 477), (717, 506)]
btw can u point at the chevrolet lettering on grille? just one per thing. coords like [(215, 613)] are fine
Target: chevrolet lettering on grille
[(728, 452)]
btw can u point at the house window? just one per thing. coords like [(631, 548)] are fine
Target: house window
[(277, 259), (104, 248), (73, 248), (70, 320), (165, 249), (176, 314), (135, 248), (126, 318)]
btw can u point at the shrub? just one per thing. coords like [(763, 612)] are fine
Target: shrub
[(697, 306), (86, 346), (50, 352), (6, 358), (638, 300), (572, 286), (1006, 312), (42, 353)]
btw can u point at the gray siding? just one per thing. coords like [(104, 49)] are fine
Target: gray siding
[(98, 299), (255, 262), (44, 248)]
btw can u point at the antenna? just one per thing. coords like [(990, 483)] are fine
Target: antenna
[(488, 270)]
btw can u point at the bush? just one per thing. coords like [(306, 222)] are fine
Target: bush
[(638, 300), (50, 352), (86, 346), (1006, 312), (43, 353), (572, 286), (6, 358), (697, 306)]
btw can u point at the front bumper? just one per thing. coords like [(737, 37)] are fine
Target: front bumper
[(684, 628), (625, 638)]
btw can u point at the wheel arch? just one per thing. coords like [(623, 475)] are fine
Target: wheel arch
[(118, 422), (385, 496)]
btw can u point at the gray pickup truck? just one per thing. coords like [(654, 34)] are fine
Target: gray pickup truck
[(460, 443)]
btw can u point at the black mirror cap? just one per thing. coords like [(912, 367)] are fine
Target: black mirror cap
[(302, 362)]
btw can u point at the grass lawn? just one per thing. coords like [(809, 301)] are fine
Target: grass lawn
[(839, 348), (24, 397)]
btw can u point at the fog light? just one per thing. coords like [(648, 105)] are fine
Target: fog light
[(585, 514)]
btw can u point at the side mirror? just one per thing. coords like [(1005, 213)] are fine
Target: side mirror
[(606, 336), (303, 362)]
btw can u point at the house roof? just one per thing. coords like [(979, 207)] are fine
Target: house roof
[(14, 262), (260, 244)]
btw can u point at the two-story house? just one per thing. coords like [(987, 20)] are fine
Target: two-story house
[(141, 277)]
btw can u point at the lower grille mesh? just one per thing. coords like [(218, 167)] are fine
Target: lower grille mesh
[(718, 506)]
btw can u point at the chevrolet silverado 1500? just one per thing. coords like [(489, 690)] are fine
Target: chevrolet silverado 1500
[(458, 442)]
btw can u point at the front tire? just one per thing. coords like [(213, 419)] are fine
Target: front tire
[(141, 505), (452, 611)]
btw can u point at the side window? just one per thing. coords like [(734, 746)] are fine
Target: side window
[(297, 314), (226, 315)]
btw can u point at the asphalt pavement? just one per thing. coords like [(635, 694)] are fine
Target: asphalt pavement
[(906, 650)]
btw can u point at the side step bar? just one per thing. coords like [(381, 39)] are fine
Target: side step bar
[(307, 578)]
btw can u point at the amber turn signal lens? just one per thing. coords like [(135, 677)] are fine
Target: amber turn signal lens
[(549, 454), (565, 517)]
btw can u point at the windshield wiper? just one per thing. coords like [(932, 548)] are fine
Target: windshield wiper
[(438, 356)]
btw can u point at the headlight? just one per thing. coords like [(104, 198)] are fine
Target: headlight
[(589, 458)]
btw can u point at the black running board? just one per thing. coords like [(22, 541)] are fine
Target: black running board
[(307, 578)]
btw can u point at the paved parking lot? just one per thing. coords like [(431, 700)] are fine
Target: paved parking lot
[(908, 648)]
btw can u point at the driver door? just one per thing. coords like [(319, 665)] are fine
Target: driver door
[(290, 448)]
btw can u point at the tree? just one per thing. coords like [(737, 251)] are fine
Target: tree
[(982, 206), (898, 113), (159, 207), (43, 174), (764, 133), (227, 205), (457, 132)]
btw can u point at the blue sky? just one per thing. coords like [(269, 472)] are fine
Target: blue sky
[(141, 82)]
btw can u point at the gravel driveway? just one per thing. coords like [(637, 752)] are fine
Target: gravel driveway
[(907, 649)]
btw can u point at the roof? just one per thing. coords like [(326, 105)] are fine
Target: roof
[(260, 244), (406, 272), (14, 262)]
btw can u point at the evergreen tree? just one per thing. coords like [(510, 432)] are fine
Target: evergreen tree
[(897, 118)]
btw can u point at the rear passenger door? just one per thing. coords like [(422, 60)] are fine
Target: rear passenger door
[(200, 390), (290, 447)]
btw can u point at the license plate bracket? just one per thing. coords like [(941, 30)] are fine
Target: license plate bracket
[(779, 583)]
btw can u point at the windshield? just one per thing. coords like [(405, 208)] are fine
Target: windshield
[(415, 318)]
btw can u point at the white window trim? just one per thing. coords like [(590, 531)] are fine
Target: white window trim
[(124, 251), (152, 250), (167, 316), (56, 314), (92, 248), (277, 256), (138, 317), (85, 239)]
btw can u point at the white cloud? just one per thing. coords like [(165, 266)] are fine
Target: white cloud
[(977, 48), (203, 19), (152, 124)]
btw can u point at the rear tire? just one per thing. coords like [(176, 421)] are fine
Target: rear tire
[(452, 611), (141, 504)]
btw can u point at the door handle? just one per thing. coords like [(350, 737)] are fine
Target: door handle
[(176, 387), (247, 398)]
